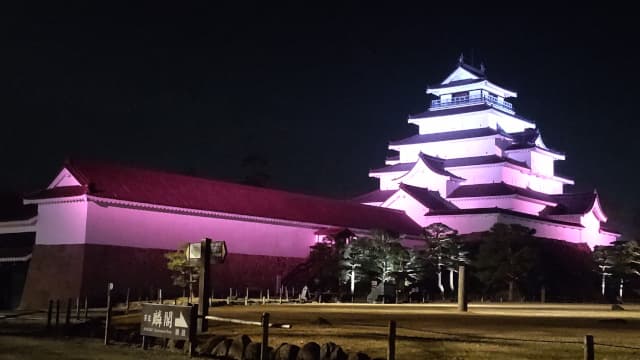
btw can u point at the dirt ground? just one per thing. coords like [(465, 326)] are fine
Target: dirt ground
[(430, 331)]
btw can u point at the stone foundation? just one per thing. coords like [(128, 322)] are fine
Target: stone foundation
[(68, 271)]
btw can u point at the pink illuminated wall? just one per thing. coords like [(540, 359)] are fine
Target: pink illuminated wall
[(149, 228), (61, 222)]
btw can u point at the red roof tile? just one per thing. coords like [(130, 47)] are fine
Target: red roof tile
[(161, 188)]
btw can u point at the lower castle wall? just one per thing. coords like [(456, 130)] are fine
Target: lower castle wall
[(67, 271)]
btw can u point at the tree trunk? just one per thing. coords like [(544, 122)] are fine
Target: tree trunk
[(621, 286), (440, 286), (451, 284), (510, 298)]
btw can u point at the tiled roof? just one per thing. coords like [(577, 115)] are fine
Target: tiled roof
[(394, 168), (374, 196), (576, 203), (481, 160), (497, 210), (456, 83), (444, 136), (428, 198), (437, 165), (56, 192), (472, 69), (497, 189), (466, 161), (529, 146), (168, 189)]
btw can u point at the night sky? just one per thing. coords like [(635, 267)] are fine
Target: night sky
[(316, 92)]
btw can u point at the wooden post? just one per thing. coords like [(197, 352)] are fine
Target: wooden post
[(49, 313), (589, 353), (67, 318), (265, 337), (86, 307), (204, 289), (391, 347), (107, 320), (78, 308), (126, 302), (267, 295), (145, 342), (57, 312), (160, 296), (246, 297), (193, 329), (229, 298), (462, 291)]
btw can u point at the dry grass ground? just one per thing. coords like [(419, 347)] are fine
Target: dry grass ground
[(501, 331), (440, 332)]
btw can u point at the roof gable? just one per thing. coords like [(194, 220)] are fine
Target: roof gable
[(431, 166), (431, 199), (64, 178), (463, 72), (577, 204)]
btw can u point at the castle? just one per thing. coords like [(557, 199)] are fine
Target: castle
[(473, 163)]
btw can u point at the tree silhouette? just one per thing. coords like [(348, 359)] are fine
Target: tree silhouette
[(444, 251), (505, 257)]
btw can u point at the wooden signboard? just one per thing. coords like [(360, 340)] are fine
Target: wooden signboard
[(168, 321)]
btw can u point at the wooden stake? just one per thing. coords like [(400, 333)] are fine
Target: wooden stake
[(462, 291), (86, 307), (265, 336), (126, 303), (589, 353), (49, 314), (57, 312), (107, 321), (67, 318), (391, 346)]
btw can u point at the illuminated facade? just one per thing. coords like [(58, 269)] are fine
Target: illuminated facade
[(475, 162), (99, 222)]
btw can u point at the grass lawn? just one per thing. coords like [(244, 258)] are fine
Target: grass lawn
[(440, 332), (431, 331)]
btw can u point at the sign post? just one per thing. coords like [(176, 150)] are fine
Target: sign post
[(204, 290), (203, 254), (167, 321)]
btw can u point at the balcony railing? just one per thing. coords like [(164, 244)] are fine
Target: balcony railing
[(466, 100)]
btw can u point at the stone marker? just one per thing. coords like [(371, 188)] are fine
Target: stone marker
[(238, 345), (310, 351), (222, 349), (252, 351), (286, 352), (206, 347)]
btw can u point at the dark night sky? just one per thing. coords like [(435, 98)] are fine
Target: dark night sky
[(317, 92)]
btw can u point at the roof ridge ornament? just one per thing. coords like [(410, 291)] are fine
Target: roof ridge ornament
[(461, 59), (482, 68)]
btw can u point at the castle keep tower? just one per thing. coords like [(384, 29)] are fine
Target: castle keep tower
[(475, 162)]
